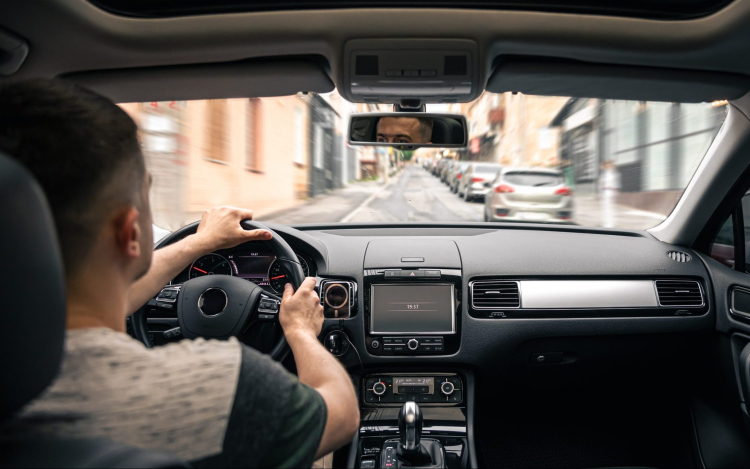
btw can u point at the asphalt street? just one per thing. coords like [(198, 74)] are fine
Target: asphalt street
[(416, 195)]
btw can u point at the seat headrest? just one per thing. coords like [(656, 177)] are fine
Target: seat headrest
[(32, 283), (447, 131)]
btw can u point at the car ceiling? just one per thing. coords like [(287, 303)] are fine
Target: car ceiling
[(73, 36)]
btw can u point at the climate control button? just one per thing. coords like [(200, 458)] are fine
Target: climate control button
[(379, 388), (447, 388)]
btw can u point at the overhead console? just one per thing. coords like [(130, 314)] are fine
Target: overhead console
[(412, 296), (532, 298), (422, 70)]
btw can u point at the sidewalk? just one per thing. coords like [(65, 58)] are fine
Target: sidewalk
[(325, 208), (588, 212)]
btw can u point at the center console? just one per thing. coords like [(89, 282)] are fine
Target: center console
[(442, 401), (420, 414), (412, 311)]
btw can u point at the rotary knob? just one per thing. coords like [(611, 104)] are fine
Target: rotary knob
[(447, 388), (379, 388), (412, 344)]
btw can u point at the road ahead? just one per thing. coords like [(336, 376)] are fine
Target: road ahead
[(416, 195)]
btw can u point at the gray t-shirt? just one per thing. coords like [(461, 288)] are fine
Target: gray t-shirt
[(216, 403)]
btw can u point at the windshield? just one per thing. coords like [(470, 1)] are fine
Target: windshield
[(620, 164)]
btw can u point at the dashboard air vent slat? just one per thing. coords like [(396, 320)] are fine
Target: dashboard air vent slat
[(495, 294), (681, 293), (679, 256)]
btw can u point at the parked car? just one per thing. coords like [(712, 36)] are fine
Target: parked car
[(440, 165), (529, 194), (456, 174), (446, 170), (474, 182)]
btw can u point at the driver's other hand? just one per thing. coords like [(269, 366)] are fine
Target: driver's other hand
[(301, 310), (220, 228)]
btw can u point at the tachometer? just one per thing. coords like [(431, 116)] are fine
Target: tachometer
[(278, 278), (210, 264)]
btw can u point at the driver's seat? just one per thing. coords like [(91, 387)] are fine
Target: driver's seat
[(32, 288)]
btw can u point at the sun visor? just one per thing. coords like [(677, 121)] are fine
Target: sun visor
[(559, 78), (257, 78)]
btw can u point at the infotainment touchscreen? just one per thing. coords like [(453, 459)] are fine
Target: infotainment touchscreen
[(412, 308)]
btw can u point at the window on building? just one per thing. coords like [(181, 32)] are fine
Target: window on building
[(254, 155), (217, 138)]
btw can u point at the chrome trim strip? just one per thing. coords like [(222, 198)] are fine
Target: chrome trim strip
[(569, 294), (453, 309)]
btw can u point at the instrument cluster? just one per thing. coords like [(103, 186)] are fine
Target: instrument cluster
[(254, 262)]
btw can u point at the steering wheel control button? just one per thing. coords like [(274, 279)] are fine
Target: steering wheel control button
[(268, 306), (413, 344), (173, 333), (212, 302)]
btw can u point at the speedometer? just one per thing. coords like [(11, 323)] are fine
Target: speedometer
[(210, 264), (277, 276)]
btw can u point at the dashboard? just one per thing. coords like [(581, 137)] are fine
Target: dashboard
[(444, 294)]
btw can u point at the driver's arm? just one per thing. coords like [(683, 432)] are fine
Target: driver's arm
[(219, 229), (301, 317)]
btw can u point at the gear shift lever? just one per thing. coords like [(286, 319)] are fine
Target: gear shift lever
[(410, 426), (411, 450)]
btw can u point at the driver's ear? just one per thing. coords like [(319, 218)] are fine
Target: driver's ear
[(128, 232)]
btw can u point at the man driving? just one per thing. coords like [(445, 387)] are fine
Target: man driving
[(404, 130), (214, 403)]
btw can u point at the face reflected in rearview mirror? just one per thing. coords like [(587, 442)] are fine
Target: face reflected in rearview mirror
[(408, 130), (404, 130)]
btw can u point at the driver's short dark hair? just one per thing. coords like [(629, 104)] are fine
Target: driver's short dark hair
[(81, 147), (425, 128)]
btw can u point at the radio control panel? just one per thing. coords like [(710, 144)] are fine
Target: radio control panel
[(394, 390), (417, 345)]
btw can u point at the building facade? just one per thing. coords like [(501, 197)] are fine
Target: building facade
[(656, 147)]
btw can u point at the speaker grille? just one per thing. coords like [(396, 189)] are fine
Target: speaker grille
[(455, 65), (366, 65)]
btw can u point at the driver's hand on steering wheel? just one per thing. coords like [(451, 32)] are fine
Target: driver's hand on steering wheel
[(220, 229), (301, 311)]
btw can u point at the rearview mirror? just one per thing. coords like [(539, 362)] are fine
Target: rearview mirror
[(408, 130)]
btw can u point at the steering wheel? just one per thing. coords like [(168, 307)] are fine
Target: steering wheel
[(222, 306)]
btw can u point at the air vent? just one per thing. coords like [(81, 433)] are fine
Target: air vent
[(366, 65), (493, 294), (679, 256), (455, 65), (679, 293)]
